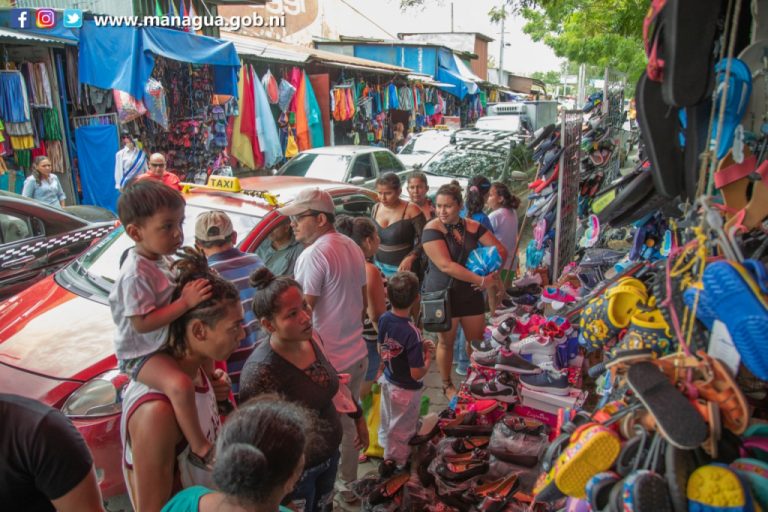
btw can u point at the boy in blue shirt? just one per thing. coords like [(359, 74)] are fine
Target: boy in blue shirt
[(406, 360)]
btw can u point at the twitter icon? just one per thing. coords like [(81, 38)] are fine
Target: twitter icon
[(73, 18)]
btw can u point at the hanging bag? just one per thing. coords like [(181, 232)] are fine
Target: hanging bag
[(436, 306), (291, 148)]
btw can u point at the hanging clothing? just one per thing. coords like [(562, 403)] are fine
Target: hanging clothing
[(265, 126), (314, 116), (14, 101), (240, 144), (302, 123), (248, 118)]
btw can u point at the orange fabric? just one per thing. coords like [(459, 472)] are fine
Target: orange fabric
[(168, 178), (302, 125)]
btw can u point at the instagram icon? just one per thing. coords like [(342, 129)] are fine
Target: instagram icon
[(46, 18)]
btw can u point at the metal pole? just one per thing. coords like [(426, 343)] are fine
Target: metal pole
[(501, 52), (451, 17)]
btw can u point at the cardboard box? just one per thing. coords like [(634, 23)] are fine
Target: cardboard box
[(552, 403)]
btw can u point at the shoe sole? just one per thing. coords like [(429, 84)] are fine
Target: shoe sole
[(595, 456), (717, 488), (548, 390)]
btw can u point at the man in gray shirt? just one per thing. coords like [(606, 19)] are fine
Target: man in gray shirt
[(280, 251)]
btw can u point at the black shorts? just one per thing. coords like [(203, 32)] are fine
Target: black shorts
[(466, 303)]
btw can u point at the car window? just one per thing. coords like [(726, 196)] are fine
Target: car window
[(457, 160), (363, 167), (103, 260), (14, 227), (427, 143), (356, 205), (313, 165), (387, 162)]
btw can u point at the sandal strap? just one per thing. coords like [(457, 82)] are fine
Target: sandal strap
[(735, 172)]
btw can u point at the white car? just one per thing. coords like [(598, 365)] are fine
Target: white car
[(421, 146)]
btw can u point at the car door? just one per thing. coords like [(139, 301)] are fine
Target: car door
[(387, 162), (23, 252), (362, 171)]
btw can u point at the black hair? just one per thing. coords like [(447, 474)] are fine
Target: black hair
[(477, 189), (357, 228), (213, 243), (418, 175), (269, 289), (141, 199), (451, 190), (509, 200), (259, 449), (35, 163), (389, 180), (193, 265), (402, 289)]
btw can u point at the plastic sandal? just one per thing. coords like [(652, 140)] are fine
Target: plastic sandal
[(741, 306), (593, 449), (722, 389), (718, 488), (755, 473), (678, 467), (676, 418), (757, 208), (648, 335), (739, 91), (606, 315), (645, 491), (733, 180)]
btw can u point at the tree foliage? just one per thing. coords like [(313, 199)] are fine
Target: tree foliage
[(597, 32)]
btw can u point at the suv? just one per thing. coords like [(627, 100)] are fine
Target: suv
[(473, 151)]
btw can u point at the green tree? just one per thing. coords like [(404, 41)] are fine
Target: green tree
[(598, 32)]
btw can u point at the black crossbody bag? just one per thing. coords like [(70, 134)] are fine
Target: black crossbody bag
[(436, 306)]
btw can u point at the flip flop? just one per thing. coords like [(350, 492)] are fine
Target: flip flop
[(741, 306), (676, 418), (659, 126), (739, 91), (689, 32)]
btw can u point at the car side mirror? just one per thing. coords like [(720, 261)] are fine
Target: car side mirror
[(357, 180)]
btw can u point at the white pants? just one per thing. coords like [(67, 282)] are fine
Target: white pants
[(399, 417), (350, 454)]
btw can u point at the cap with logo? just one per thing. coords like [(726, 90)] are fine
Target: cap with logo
[(213, 226), (309, 199)]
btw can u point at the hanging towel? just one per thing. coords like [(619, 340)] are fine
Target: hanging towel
[(302, 124), (269, 139), (314, 116), (240, 146), (258, 154)]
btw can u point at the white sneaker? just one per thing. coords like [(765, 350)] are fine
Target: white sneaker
[(537, 349), (528, 279)]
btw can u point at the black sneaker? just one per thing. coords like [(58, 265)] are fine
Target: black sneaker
[(502, 332), (502, 388), (551, 381), (511, 362)]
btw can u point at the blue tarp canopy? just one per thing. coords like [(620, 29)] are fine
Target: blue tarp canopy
[(452, 71), (123, 57)]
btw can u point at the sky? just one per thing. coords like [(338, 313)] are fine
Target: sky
[(523, 56)]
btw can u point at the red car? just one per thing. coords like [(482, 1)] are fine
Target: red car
[(56, 341)]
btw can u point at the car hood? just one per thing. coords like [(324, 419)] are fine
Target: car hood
[(53, 332)]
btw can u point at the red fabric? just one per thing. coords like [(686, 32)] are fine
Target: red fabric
[(295, 79), (168, 178), (248, 117), (302, 126)]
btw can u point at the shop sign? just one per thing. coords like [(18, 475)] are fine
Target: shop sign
[(297, 15)]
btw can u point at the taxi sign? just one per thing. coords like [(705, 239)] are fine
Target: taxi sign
[(231, 184)]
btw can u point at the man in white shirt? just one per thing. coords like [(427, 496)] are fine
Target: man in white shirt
[(331, 270), (130, 162)]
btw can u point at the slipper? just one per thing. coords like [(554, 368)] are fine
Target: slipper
[(718, 488), (645, 491), (599, 489), (593, 449), (755, 472), (689, 32), (733, 180), (388, 489), (678, 467), (739, 91), (676, 418), (541, 134), (659, 126), (740, 305), (723, 391), (501, 495), (606, 315)]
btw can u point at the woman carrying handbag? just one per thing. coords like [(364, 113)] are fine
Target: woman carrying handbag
[(451, 293)]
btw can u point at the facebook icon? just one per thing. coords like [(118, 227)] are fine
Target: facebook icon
[(20, 18)]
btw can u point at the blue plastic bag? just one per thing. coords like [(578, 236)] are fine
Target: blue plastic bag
[(484, 260)]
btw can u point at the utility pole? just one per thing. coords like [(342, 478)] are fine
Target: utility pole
[(501, 49), (451, 17)]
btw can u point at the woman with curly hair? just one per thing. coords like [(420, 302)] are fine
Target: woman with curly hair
[(150, 432)]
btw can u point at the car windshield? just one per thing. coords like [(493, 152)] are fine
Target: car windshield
[(506, 123), (314, 165), (100, 265), (466, 161), (427, 143)]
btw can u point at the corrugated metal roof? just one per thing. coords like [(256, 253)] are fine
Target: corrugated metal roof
[(20, 35), (276, 51)]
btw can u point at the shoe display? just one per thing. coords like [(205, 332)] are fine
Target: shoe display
[(517, 446), (511, 362), (536, 349), (550, 381), (527, 280)]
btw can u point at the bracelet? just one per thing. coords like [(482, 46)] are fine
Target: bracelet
[(482, 281)]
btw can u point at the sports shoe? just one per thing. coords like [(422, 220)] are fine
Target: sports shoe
[(485, 359), (528, 279), (485, 345), (501, 333), (536, 349), (551, 294), (526, 300), (550, 381), (516, 291), (511, 362), (502, 388)]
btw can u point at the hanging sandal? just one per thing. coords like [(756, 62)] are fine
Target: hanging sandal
[(721, 388), (732, 179)]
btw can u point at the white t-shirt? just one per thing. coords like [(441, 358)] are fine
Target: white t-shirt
[(142, 286), (504, 222), (333, 270), (136, 394)]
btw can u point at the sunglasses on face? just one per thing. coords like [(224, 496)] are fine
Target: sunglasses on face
[(297, 218)]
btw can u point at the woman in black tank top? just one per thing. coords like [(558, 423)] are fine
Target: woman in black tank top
[(447, 242), (399, 224)]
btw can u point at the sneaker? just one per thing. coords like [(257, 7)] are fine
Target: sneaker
[(501, 333), (536, 349), (485, 359), (527, 279), (511, 362), (485, 345), (526, 300), (502, 388), (551, 294), (550, 381), (516, 291)]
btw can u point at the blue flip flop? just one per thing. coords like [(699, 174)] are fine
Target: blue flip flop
[(738, 301), (739, 91), (705, 313)]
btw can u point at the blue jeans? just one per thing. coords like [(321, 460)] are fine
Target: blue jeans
[(460, 356), (314, 490)]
